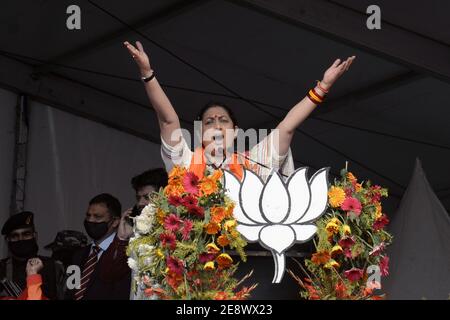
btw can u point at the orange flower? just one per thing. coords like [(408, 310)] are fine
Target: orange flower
[(223, 240), (352, 178), (224, 260), (177, 173), (341, 290), (321, 257), (221, 295), (212, 228), (208, 186), (174, 190), (229, 211), (217, 214), (217, 174)]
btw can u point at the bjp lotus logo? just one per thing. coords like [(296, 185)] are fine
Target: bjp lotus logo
[(278, 214)]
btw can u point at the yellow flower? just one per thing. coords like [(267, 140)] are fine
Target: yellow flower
[(332, 227), (229, 211), (224, 260), (331, 264), (209, 266), (378, 212), (336, 250), (336, 221), (159, 253), (212, 248), (351, 177), (336, 196), (346, 229), (229, 224), (160, 215)]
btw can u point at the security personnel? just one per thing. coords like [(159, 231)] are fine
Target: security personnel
[(21, 237)]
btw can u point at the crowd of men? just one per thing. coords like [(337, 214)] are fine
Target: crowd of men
[(100, 256)]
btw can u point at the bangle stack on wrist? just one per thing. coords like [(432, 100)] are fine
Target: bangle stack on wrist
[(314, 96)]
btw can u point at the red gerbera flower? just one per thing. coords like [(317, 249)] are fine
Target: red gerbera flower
[(196, 211), (189, 201), (352, 205), (175, 201), (346, 242), (384, 266), (175, 265), (186, 230), (206, 257), (168, 240), (190, 182), (172, 223), (380, 223), (354, 274)]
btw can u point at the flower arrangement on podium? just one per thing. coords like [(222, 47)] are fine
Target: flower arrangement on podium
[(182, 242), (349, 258)]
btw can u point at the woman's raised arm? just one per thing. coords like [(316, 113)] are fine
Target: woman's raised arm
[(301, 111), (167, 116)]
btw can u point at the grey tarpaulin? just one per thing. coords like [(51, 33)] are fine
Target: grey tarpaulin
[(420, 253)]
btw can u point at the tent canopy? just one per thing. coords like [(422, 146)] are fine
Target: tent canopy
[(259, 57)]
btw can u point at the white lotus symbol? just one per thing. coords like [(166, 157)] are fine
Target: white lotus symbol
[(278, 214)]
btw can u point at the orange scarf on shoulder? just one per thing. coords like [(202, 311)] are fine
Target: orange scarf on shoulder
[(198, 164)]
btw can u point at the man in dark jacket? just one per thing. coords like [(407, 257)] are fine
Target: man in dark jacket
[(105, 274)]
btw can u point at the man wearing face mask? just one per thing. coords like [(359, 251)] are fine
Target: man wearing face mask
[(21, 237), (105, 274)]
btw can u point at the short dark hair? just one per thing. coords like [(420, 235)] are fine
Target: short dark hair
[(111, 202), (213, 104), (154, 177)]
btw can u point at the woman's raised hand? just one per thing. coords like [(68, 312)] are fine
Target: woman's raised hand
[(140, 57), (337, 69)]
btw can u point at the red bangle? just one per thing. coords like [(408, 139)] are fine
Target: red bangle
[(322, 88)]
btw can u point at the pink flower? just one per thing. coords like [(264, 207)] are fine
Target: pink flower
[(175, 201), (186, 230), (348, 253), (352, 205), (384, 266), (172, 223), (377, 249), (354, 274), (189, 201), (175, 265), (190, 182), (168, 240), (206, 257), (348, 192), (346, 242), (380, 223)]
